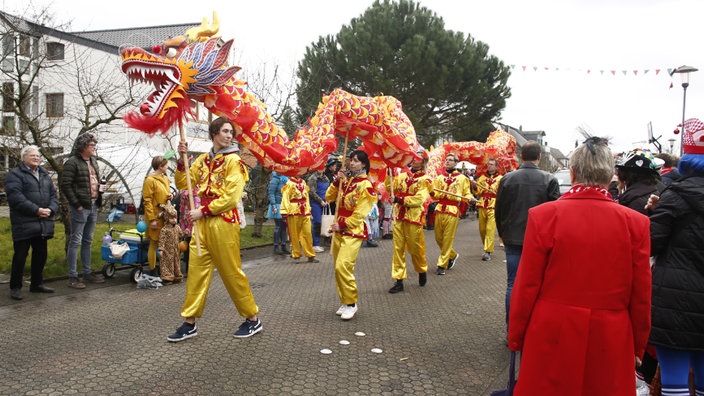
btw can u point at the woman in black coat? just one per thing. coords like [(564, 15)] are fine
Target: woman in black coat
[(677, 240), (32, 199)]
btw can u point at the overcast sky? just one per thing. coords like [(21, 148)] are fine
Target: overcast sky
[(569, 57)]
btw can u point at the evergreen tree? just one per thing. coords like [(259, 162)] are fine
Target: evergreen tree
[(449, 85)]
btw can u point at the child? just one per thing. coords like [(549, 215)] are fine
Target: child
[(170, 255)]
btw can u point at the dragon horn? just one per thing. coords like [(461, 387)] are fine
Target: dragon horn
[(205, 29)]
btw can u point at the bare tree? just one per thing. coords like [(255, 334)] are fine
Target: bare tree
[(269, 86), (57, 86)]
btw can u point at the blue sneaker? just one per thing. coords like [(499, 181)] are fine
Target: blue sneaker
[(185, 331), (249, 328)]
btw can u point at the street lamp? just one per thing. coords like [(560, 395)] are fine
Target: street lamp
[(672, 144), (684, 71)]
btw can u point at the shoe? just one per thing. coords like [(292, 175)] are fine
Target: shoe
[(41, 289), (15, 294), (249, 328), (422, 278), (285, 250), (184, 332), (387, 236), (318, 249), (74, 283), (348, 312), (440, 271), (277, 250), (398, 287), (341, 310), (486, 256), (451, 262), (92, 278), (372, 244), (313, 260)]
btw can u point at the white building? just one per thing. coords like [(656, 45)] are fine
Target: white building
[(72, 79)]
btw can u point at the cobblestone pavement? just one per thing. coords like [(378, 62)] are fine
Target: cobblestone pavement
[(444, 339)]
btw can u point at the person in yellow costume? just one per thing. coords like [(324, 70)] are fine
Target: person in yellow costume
[(357, 197), (410, 191), (485, 188), (220, 176), (295, 207), (448, 190), (156, 190)]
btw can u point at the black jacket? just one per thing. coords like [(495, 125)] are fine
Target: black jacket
[(519, 191), (636, 196), (671, 176), (75, 182), (677, 240), (26, 194)]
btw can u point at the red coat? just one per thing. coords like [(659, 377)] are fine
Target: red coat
[(580, 306)]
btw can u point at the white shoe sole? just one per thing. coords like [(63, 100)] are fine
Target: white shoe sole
[(348, 316), (185, 337), (340, 310)]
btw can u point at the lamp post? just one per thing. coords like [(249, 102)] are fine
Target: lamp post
[(684, 72), (672, 144)]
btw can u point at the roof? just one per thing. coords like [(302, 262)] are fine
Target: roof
[(557, 154), (142, 37)]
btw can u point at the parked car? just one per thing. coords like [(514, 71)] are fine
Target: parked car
[(563, 178)]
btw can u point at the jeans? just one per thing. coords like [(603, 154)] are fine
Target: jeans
[(316, 212), (82, 229), (280, 232), (513, 257)]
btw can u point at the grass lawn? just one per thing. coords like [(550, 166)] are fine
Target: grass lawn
[(56, 261)]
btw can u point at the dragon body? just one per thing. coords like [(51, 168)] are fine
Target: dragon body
[(194, 68)]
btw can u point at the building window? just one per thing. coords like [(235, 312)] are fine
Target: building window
[(8, 93), (25, 44), (55, 105), (8, 45), (8, 126), (54, 51)]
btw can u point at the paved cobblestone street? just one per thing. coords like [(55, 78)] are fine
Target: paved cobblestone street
[(444, 339)]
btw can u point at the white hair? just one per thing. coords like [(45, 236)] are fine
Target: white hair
[(25, 150)]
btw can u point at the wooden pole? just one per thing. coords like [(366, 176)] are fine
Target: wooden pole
[(340, 188), (470, 199), (191, 201)]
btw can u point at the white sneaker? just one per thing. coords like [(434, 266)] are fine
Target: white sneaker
[(348, 312), (341, 310), (318, 249)]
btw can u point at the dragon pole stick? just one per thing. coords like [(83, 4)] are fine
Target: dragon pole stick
[(470, 199), (191, 201), (339, 189)]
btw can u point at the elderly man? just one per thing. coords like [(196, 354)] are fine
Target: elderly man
[(32, 199), (80, 185)]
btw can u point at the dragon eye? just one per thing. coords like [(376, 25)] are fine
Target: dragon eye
[(171, 52)]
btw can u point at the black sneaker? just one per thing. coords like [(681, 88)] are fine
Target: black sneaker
[(185, 331), (486, 256), (422, 278), (440, 271), (451, 262), (313, 260), (249, 328), (398, 287)]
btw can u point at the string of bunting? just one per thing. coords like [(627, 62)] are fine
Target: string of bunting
[(612, 72)]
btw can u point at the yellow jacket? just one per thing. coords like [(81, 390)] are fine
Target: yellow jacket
[(485, 189), (412, 190), (294, 198), (358, 196), (220, 181), (456, 183), (155, 191)]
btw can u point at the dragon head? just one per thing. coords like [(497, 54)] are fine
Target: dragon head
[(182, 69)]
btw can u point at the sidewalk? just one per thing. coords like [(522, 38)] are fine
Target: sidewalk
[(443, 339)]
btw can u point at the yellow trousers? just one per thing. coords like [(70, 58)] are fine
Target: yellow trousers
[(151, 253), (409, 237), (487, 228), (445, 230), (299, 233), (344, 253), (220, 248)]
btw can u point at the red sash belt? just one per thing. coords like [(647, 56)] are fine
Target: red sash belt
[(448, 202)]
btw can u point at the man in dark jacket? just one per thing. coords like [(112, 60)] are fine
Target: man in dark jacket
[(32, 199), (80, 184), (669, 172), (519, 191)]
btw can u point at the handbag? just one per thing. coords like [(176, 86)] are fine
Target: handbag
[(326, 220), (118, 249)]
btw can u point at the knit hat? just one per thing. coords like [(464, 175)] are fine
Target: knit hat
[(693, 138)]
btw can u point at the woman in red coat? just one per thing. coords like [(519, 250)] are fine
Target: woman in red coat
[(580, 308)]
